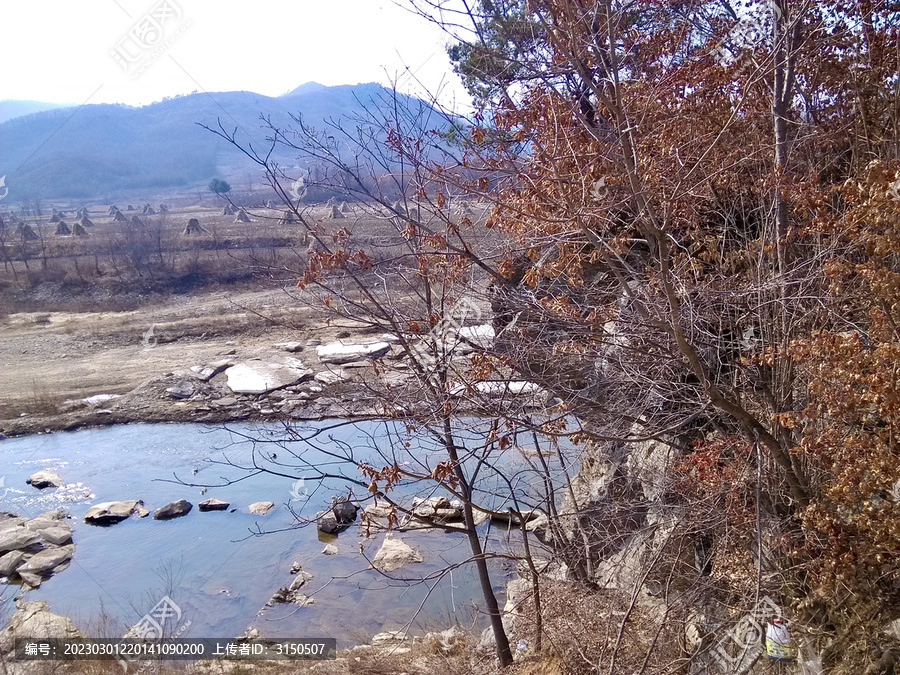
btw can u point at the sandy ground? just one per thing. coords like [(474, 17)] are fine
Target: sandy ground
[(50, 358)]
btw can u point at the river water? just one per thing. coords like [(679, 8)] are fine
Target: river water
[(220, 568)]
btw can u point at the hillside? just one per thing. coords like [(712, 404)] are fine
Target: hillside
[(11, 109), (101, 151)]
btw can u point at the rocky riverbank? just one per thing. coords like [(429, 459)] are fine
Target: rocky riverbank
[(206, 363)]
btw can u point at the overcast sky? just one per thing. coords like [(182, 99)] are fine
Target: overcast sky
[(139, 51)]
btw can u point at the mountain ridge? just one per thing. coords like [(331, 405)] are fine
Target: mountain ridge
[(103, 150)]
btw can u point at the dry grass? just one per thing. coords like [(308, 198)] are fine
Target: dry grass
[(585, 629)]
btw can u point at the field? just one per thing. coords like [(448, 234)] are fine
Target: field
[(102, 313)]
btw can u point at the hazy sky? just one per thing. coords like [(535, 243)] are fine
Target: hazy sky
[(138, 51)]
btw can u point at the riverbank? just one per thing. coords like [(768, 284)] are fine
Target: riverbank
[(64, 371)]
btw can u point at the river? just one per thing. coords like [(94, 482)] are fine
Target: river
[(220, 568)]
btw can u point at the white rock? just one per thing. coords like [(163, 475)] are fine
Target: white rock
[(261, 508), (210, 370), (394, 554), (47, 560), (113, 512), (34, 620), (340, 353), (327, 377), (330, 549), (16, 537), (498, 389), (100, 398), (260, 377), (44, 479), (482, 335)]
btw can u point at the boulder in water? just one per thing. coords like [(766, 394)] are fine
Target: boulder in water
[(44, 479), (394, 554), (261, 508), (213, 504), (174, 509), (108, 513)]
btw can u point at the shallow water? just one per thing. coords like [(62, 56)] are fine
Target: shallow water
[(218, 567)]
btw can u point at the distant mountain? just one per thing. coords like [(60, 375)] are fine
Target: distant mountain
[(307, 88), (12, 109), (105, 150)]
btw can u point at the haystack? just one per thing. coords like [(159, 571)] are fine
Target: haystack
[(241, 217), (335, 213), (62, 229), (81, 213), (148, 210), (78, 230), (26, 233), (55, 218), (111, 211), (163, 208), (193, 227), (288, 218), (120, 217), (86, 222), (345, 208), (137, 221), (130, 208), (228, 211)]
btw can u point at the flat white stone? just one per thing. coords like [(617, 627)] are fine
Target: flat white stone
[(332, 376), (498, 389), (482, 335), (260, 377), (100, 398), (394, 554), (339, 353)]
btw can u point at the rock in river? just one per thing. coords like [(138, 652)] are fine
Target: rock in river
[(14, 537), (213, 504), (46, 562), (261, 508), (44, 479), (173, 510), (338, 518), (108, 513), (394, 554)]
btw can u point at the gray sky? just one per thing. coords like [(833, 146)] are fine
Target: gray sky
[(139, 51)]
